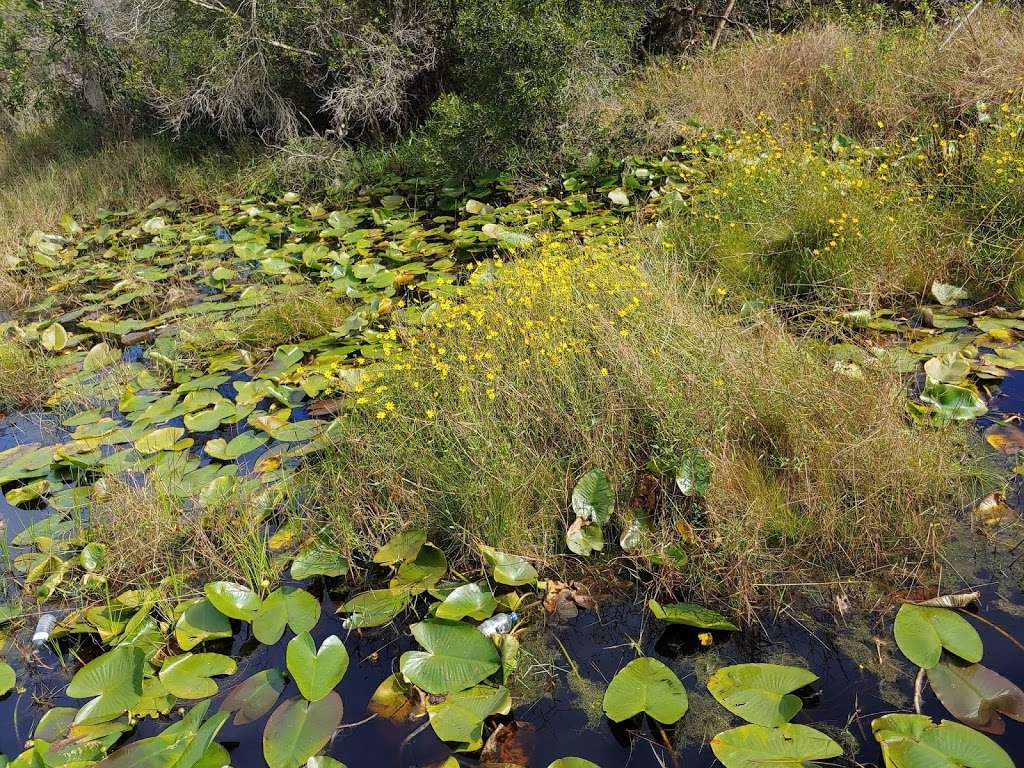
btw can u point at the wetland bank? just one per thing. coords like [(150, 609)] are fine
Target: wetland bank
[(725, 426)]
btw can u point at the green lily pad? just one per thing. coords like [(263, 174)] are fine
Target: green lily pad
[(456, 657), (645, 685), (244, 443), (299, 729), (422, 572), (914, 741), (403, 546), (922, 632), (233, 600), (760, 693), (255, 696), (510, 570), (318, 559), (584, 538), (189, 676), (573, 762), (316, 672), (162, 439), (787, 746), (459, 717), (691, 615), (113, 679), (200, 622), (375, 607), (285, 607), (954, 402), (593, 498), (473, 600), (7, 677)]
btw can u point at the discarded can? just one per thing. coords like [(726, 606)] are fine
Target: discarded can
[(499, 624), (44, 627)]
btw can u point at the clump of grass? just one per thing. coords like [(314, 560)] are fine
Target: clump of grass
[(164, 536), (870, 82), (25, 379), (294, 313), (782, 220), (615, 357)]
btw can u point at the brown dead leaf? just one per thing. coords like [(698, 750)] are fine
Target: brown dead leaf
[(510, 744), (1008, 438), (993, 509)]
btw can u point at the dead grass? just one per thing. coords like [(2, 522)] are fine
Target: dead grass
[(25, 379), (871, 83)]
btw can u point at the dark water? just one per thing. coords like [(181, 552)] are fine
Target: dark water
[(564, 714)]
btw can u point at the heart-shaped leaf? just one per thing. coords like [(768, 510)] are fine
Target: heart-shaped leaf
[(189, 676), (7, 677), (573, 762), (690, 615), (396, 700), (114, 679), (645, 685), (473, 600), (403, 546), (457, 656), (233, 600), (298, 729), (316, 672), (510, 570), (200, 622), (760, 693), (922, 632), (787, 746), (593, 498), (976, 695), (287, 606), (914, 741), (422, 572), (375, 607), (318, 559), (253, 698), (459, 717)]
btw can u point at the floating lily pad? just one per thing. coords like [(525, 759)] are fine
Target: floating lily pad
[(403, 546), (645, 685), (316, 672), (976, 695), (691, 615), (113, 679), (233, 600), (189, 676), (254, 697), (922, 632), (456, 657), (299, 729), (459, 717), (915, 741), (510, 570), (473, 600), (375, 607), (760, 693), (285, 607), (787, 746)]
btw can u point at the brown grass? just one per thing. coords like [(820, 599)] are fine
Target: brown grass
[(868, 83)]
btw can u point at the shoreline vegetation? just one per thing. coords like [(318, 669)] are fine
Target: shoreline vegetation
[(725, 325)]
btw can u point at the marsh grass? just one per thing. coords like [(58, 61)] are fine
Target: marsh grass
[(26, 380), (868, 81), (562, 361), (165, 537)]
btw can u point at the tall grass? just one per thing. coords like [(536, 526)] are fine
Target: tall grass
[(565, 361)]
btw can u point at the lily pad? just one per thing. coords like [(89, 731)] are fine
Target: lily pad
[(511, 570), (760, 693), (200, 622), (976, 695), (422, 572), (914, 741), (403, 546), (691, 615), (396, 700), (954, 402), (299, 729), (473, 600), (285, 607), (7, 677), (114, 679), (645, 685), (233, 600), (318, 559), (254, 697), (375, 607), (922, 632), (593, 498), (189, 676), (456, 657), (459, 717), (787, 746), (316, 672)]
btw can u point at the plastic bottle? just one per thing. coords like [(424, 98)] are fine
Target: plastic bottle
[(498, 624), (44, 627)]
